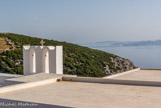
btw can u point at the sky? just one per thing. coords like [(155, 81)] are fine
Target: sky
[(83, 20)]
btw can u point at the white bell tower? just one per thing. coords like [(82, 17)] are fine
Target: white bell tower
[(42, 59)]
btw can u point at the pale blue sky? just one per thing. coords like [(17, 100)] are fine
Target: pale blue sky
[(83, 20)]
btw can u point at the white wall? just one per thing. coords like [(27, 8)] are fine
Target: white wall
[(26, 60)]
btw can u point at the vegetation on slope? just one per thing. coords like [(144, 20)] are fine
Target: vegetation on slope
[(78, 60)]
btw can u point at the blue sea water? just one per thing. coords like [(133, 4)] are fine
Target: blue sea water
[(141, 56)]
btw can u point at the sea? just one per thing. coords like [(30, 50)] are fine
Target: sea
[(141, 56)]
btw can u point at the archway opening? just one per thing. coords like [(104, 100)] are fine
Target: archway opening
[(45, 61), (32, 61)]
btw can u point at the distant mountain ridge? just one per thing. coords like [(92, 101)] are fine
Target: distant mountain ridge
[(120, 43)]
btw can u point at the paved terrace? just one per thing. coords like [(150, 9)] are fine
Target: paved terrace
[(90, 95), (95, 95)]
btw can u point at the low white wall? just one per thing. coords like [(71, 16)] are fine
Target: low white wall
[(122, 73), (111, 81)]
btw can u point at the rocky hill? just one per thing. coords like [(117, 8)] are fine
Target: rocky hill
[(5, 44), (78, 60)]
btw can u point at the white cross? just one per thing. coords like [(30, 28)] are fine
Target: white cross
[(42, 42)]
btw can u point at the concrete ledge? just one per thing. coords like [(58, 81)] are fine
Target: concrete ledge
[(123, 73), (149, 69), (27, 85), (112, 81)]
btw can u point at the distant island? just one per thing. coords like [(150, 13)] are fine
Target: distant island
[(120, 43), (78, 60)]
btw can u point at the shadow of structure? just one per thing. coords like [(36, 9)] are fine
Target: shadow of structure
[(8, 103), (8, 83)]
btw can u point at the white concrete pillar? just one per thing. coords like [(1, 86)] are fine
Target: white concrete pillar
[(59, 60)]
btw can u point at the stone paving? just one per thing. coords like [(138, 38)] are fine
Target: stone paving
[(94, 95)]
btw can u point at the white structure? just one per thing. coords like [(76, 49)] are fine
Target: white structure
[(42, 59)]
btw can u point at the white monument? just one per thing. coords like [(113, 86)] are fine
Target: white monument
[(42, 59)]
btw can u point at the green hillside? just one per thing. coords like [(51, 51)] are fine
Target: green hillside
[(78, 60)]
